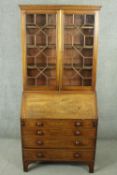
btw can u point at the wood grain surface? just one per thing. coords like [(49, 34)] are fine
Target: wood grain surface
[(75, 106)]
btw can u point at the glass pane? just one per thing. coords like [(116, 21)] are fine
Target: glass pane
[(41, 49), (78, 49)]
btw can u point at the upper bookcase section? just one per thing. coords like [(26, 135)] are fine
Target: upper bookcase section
[(59, 45)]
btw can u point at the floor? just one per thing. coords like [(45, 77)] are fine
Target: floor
[(11, 164)]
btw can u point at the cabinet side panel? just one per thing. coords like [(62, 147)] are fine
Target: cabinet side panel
[(95, 52), (23, 38)]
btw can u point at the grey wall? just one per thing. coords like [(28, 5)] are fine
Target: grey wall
[(10, 65)]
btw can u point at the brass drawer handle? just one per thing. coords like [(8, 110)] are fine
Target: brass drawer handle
[(77, 132), (39, 124), (78, 124), (77, 142), (40, 142), (39, 132), (77, 155), (40, 155)]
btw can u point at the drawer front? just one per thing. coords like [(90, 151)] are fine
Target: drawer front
[(57, 142), (58, 123), (58, 155), (73, 132)]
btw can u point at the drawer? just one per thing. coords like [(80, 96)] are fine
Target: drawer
[(58, 123), (57, 142), (58, 154), (45, 131)]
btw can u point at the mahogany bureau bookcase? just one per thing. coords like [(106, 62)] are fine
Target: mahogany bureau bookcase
[(59, 111)]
